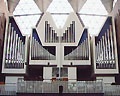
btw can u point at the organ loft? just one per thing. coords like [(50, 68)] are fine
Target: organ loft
[(42, 52)]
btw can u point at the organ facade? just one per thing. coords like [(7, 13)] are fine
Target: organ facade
[(105, 49), (14, 56), (60, 54), (51, 59)]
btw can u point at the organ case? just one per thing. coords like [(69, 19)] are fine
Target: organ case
[(105, 59), (14, 54)]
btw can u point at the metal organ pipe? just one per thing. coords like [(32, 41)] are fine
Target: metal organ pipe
[(101, 51), (104, 51), (18, 55), (13, 52), (69, 35), (106, 48), (11, 44), (39, 52), (98, 52), (50, 35), (79, 53), (73, 22), (111, 36), (8, 44), (87, 49), (14, 49), (109, 49), (83, 50), (14, 46)]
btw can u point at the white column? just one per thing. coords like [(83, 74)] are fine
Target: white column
[(72, 74)]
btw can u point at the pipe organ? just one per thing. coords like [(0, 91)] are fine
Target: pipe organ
[(69, 34), (50, 34), (38, 52), (105, 57), (14, 47), (61, 51), (105, 48), (81, 52)]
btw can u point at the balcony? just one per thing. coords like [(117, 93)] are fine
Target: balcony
[(63, 87)]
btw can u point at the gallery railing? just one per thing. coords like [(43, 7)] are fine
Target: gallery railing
[(111, 90), (54, 87), (8, 89)]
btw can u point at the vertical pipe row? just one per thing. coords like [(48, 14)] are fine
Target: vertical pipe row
[(80, 53), (104, 51), (38, 52), (14, 49), (69, 35), (50, 35)]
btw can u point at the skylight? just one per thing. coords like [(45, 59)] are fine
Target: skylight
[(59, 20), (93, 14), (93, 23), (26, 21), (26, 7), (60, 6), (93, 7)]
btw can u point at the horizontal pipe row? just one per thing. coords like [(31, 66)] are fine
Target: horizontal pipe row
[(15, 49), (40, 53), (50, 35), (105, 55), (80, 53)]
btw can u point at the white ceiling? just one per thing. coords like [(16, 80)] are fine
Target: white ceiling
[(90, 11), (60, 6), (26, 22)]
